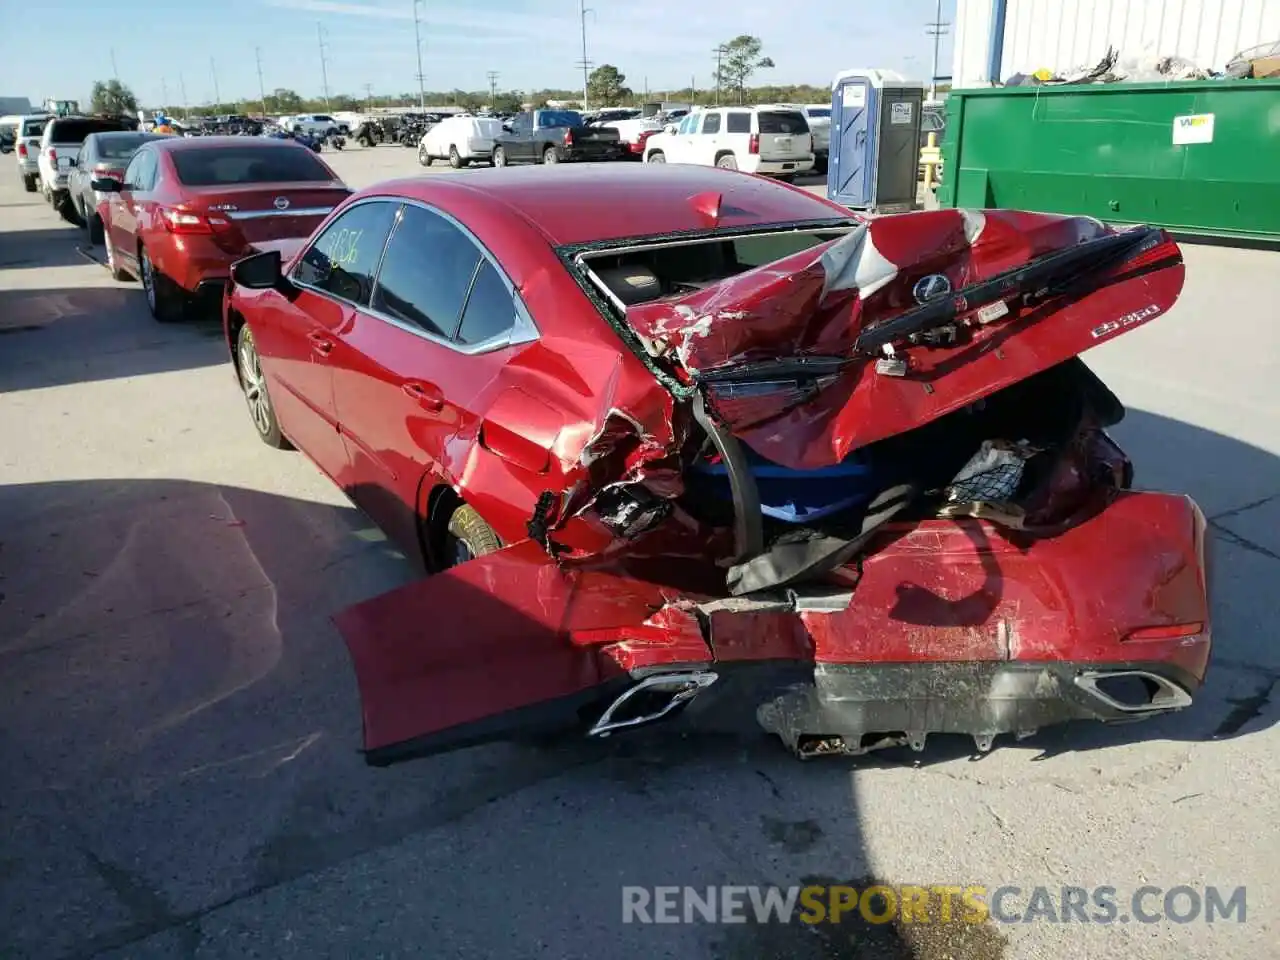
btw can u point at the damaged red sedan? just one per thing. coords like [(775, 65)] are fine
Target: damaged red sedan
[(684, 445)]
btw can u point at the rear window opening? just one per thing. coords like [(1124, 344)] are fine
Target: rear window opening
[(74, 131), (782, 122), (672, 270), (225, 166)]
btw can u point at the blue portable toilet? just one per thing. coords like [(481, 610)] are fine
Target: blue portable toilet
[(875, 140)]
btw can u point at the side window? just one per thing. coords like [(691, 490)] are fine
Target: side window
[(140, 174), (523, 124), (426, 273), (343, 259), (490, 310), (711, 124), (739, 121), (687, 124)]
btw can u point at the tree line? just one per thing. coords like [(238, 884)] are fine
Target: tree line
[(737, 62)]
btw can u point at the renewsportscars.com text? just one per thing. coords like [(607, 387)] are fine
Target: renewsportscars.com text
[(908, 903)]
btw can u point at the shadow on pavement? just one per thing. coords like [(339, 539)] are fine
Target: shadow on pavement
[(41, 249), (179, 727), (52, 337)]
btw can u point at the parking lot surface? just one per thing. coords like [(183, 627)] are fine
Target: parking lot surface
[(179, 724)]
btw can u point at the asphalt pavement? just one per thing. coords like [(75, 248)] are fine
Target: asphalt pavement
[(179, 723)]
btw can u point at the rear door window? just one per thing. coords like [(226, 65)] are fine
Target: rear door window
[(33, 128), (215, 166), (782, 121), (425, 276), (344, 258), (738, 121), (711, 123), (140, 175)]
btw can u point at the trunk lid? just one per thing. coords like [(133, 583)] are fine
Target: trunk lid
[(905, 319), (271, 211), (784, 135)]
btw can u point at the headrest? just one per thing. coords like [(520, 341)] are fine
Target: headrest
[(631, 284)]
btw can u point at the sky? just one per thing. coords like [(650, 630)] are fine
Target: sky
[(163, 46)]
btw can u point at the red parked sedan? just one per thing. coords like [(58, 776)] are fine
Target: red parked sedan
[(187, 207), (683, 441)]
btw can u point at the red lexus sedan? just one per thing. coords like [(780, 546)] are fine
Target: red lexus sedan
[(680, 442), (187, 207)]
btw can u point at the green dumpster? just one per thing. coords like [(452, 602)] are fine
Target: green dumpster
[(1198, 156)]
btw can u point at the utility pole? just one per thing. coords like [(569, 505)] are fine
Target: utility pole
[(115, 71), (324, 65), (262, 87), (164, 94), (368, 96), (936, 29), (186, 104), (583, 10), (417, 45), (693, 89), (719, 52), (213, 72), (493, 87)]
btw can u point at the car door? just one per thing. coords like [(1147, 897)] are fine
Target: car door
[(439, 329), (299, 337), (708, 140), (520, 145), (82, 171), (121, 225)]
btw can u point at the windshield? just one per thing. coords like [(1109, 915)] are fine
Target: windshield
[(783, 121), (205, 167), (559, 118), (121, 146)]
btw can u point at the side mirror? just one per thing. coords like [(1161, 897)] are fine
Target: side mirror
[(105, 185), (506, 128), (258, 272), (671, 128)]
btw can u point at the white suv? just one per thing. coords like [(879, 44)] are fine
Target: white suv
[(774, 141), (316, 124)]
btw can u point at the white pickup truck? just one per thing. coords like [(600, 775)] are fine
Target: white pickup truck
[(315, 124)]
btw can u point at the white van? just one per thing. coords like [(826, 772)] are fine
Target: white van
[(460, 140)]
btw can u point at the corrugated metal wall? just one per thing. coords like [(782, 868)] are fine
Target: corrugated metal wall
[(1061, 34)]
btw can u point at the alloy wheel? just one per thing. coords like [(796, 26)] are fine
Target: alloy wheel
[(255, 392), (148, 280)]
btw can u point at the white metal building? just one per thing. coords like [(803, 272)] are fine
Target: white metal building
[(1061, 34)]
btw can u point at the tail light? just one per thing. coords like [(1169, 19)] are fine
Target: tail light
[(568, 138), (53, 155), (22, 151), (102, 170), (189, 222), (753, 146)]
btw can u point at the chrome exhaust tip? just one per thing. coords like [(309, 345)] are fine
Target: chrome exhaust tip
[(1133, 691), (650, 700)]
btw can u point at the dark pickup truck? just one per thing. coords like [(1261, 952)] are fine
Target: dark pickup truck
[(554, 136)]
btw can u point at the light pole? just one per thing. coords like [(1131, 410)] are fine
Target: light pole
[(583, 10), (936, 29), (417, 45)]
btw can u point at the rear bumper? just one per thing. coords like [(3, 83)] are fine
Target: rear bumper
[(773, 168), (195, 263), (611, 151), (28, 168)]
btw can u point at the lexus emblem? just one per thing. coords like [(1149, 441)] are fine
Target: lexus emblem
[(282, 203), (932, 287)]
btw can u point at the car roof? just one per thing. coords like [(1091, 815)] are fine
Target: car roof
[(169, 144), (588, 203)]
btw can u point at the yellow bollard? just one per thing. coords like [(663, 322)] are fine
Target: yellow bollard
[(931, 159)]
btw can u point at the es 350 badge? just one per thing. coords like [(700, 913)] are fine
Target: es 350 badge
[(1120, 323)]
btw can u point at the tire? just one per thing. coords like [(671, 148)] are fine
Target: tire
[(550, 157), (727, 161), (94, 225), (165, 299), (820, 165), (656, 157), (254, 387), (423, 157), (499, 157), (29, 182), (468, 537), (66, 207), (786, 178), (455, 159)]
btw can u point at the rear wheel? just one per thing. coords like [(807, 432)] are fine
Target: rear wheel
[(166, 300), (424, 158), (499, 157), (29, 182), (550, 156), (66, 207), (254, 385), (94, 225), (455, 159), (656, 157), (727, 161), (468, 537)]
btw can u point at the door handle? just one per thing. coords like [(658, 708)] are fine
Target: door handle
[(428, 396), (320, 343)]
